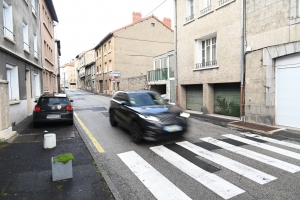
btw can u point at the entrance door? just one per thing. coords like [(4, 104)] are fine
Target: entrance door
[(28, 93), (287, 91), (101, 86)]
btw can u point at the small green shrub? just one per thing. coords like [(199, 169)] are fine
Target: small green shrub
[(230, 108), (64, 158)]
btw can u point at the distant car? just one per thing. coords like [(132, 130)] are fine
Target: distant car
[(53, 108), (147, 116)]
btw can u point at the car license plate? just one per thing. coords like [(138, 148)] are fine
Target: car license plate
[(53, 116), (172, 128)]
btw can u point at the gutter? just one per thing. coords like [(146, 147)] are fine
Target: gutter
[(175, 54), (242, 89)]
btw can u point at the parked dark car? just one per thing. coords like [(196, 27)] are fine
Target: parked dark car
[(147, 116), (53, 108)]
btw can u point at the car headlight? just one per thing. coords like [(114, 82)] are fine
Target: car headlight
[(149, 118), (184, 114)]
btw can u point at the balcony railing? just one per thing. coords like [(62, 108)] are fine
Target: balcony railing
[(222, 2), (8, 33), (157, 75), (26, 46), (189, 18), (205, 10), (206, 64)]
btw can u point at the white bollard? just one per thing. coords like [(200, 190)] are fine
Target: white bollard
[(49, 140)]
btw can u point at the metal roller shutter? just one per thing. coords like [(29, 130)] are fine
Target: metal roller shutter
[(194, 97), (227, 99)]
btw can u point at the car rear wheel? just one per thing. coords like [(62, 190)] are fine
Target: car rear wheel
[(112, 119), (136, 133)]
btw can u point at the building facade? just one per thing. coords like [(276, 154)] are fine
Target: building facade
[(81, 61), (127, 53), (47, 19), (68, 76), (209, 55), (272, 76), (20, 62), (162, 77)]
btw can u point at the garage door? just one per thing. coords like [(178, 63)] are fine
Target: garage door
[(194, 97), (288, 91), (227, 99)]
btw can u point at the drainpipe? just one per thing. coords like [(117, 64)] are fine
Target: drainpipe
[(242, 91), (175, 53)]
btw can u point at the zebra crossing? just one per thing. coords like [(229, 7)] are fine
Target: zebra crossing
[(162, 188)]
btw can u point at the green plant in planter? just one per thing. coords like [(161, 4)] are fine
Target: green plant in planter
[(64, 158)]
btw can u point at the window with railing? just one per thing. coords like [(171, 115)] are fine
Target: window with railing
[(33, 10), (205, 6), (35, 49), (222, 2), (206, 52), (8, 21), (189, 10), (25, 37)]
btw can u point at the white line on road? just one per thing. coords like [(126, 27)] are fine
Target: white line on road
[(218, 185), (254, 155), (295, 146), (265, 146), (157, 184), (239, 168)]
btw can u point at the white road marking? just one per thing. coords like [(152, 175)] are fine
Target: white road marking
[(265, 146), (239, 168), (157, 184), (295, 146), (254, 155), (218, 185)]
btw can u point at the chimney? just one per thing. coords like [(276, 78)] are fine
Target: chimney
[(167, 22), (136, 16)]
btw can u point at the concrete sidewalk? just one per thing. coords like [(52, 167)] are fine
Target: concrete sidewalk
[(25, 166)]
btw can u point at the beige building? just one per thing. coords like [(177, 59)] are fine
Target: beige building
[(272, 76), (47, 19), (81, 61), (209, 55), (124, 56), (68, 76)]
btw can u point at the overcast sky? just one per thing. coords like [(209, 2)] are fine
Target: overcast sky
[(83, 24)]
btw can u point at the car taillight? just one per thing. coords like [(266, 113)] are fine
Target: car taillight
[(37, 108), (69, 107)]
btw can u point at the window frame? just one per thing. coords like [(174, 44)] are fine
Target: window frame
[(206, 52), (8, 24), (13, 82), (190, 10), (25, 37)]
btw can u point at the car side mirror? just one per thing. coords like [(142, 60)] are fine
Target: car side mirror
[(35, 101), (71, 100)]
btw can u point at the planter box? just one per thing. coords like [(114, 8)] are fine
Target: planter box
[(61, 171)]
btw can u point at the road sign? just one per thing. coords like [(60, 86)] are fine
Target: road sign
[(114, 73)]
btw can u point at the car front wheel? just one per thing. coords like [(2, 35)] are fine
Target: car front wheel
[(136, 133), (112, 119)]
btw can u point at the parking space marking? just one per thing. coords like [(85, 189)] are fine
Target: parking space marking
[(90, 135)]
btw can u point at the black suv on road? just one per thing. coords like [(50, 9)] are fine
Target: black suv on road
[(147, 116), (53, 108)]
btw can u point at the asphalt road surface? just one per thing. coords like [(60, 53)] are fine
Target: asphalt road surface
[(209, 162)]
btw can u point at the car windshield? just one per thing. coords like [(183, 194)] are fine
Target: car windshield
[(53, 101), (145, 99)]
